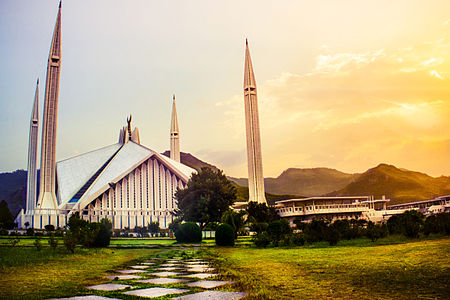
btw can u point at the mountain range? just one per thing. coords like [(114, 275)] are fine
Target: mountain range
[(398, 185)]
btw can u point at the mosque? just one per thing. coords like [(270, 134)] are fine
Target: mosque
[(126, 182)]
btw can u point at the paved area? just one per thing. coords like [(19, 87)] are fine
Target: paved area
[(149, 279)]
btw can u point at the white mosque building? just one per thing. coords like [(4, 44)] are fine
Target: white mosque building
[(126, 182)]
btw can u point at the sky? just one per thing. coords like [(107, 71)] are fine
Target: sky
[(341, 84)]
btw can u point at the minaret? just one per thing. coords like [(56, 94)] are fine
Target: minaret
[(174, 134), (32, 154), (47, 195), (254, 157)]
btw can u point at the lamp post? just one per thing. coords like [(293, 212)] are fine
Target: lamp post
[(112, 185)]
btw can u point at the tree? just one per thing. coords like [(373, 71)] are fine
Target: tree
[(6, 218), (207, 196), (234, 219), (261, 213), (153, 227)]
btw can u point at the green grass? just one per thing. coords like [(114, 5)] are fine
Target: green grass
[(352, 270), (27, 273)]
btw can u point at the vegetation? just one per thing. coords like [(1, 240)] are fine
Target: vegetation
[(86, 233), (224, 235), (6, 218), (29, 274), (188, 232), (207, 196), (358, 269), (234, 219)]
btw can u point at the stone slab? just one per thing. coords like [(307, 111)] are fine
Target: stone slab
[(147, 263), (165, 274), (209, 284), (169, 268), (123, 277), (197, 262), (88, 297), (201, 275), (170, 265), (130, 271), (197, 265), (139, 267), (162, 280), (155, 292), (213, 295), (108, 287)]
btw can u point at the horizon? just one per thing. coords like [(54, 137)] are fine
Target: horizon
[(349, 98)]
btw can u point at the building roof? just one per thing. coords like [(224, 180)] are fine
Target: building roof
[(103, 166)]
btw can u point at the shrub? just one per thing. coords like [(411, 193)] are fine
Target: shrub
[(103, 237), (331, 235), (225, 235), (37, 243), (70, 241), (277, 230), (52, 242), (261, 239), (13, 241), (376, 231), (188, 232), (49, 227), (30, 231)]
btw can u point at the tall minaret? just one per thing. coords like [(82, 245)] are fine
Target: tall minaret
[(254, 157), (174, 134), (47, 195), (32, 154)]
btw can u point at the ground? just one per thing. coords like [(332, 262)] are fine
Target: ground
[(357, 269)]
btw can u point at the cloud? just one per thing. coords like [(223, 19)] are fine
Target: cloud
[(354, 110)]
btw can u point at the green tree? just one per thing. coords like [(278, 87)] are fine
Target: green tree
[(234, 219), (207, 196), (6, 218), (153, 227)]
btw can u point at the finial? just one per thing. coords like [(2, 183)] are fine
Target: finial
[(173, 97), (246, 42), (37, 82), (60, 3)]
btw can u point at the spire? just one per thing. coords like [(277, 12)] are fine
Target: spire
[(249, 77), (47, 194), (32, 153), (254, 156), (174, 134)]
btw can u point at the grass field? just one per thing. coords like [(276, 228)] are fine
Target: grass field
[(353, 270)]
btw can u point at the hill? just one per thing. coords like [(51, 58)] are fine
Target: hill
[(191, 161), (307, 182), (399, 185)]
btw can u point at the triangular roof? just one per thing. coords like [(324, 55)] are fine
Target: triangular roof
[(129, 157), (72, 173)]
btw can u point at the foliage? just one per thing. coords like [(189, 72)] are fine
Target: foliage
[(6, 217), (376, 231), (153, 227), (37, 243), (175, 224), (52, 242), (13, 241), (277, 230), (141, 231), (87, 234), (234, 219), (188, 232), (409, 223), (261, 213), (30, 232), (225, 235), (49, 227), (439, 223), (207, 196), (262, 239), (70, 241)]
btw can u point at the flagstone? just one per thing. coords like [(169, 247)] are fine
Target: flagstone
[(130, 271), (123, 277), (169, 268), (155, 292), (213, 295), (201, 275), (147, 263), (108, 287), (165, 274), (209, 284), (162, 280), (87, 297), (139, 267), (202, 270)]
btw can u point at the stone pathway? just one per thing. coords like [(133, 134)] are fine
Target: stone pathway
[(173, 278)]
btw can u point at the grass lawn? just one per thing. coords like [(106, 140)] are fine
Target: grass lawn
[(27, 273), (356, 269)]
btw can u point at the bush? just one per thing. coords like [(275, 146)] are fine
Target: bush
[(225, 235), (188, 232), (277, 230), (103, 237), (70, 241), (331, 235), (261, 239), (52, 242), (49, 227), (30, 231), (37, 243)]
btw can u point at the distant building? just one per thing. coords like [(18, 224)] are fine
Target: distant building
[(427, 207), (332, 208)]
